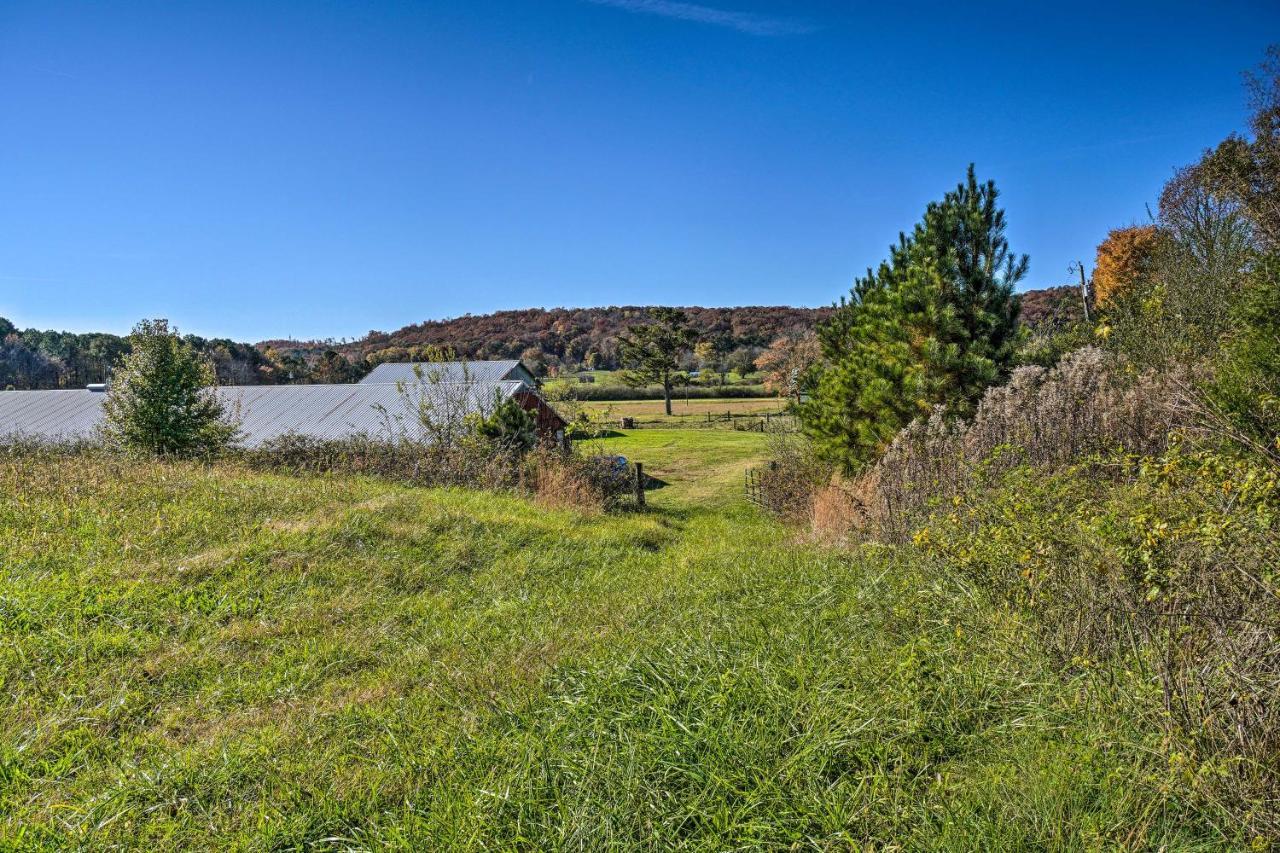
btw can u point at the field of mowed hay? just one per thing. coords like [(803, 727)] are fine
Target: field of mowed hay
[(683, 411)]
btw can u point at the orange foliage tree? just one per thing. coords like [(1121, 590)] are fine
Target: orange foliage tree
[(1123, 258), (786, 362)]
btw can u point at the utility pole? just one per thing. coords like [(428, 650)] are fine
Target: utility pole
[(1084, 287)]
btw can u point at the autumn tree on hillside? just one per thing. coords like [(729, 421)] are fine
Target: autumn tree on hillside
[(333, 368), (1124, 258), (786, 363), (651, 351)]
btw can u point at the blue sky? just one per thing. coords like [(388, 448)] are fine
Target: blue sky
[(321, 169)]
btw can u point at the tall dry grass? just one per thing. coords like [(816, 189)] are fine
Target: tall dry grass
[(1089, 404)]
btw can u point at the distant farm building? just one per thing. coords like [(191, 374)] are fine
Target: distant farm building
[(266, 412)]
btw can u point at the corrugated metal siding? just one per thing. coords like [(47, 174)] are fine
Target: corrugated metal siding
[(448, 371), (50, 415), (265, 412)]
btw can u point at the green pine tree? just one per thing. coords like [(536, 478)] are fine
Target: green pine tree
[(510, 425), (651, 351), (935, 324)]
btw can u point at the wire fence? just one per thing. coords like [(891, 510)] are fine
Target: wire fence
[(740, 421), (755, 488)]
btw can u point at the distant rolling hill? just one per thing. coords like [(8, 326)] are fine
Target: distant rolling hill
[(588, 336), (568, 336)]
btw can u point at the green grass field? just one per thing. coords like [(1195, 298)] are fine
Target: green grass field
[(198, 657), (701, 468)]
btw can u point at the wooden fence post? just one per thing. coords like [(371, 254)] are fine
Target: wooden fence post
[(639, 484)]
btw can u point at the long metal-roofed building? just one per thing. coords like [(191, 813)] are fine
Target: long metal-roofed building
[(266, 412), (450, 371)]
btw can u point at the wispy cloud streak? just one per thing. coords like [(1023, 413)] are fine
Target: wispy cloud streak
[(744, 22)]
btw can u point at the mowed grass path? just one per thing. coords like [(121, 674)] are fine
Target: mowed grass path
[(205, 658), (701, 468)]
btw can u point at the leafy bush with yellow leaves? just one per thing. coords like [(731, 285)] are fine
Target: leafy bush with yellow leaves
[(1166, 572)]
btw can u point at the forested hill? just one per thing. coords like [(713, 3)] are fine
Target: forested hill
[(550, 339), (565, 337)]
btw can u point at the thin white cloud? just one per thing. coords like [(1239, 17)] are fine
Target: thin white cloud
[(744, 22)]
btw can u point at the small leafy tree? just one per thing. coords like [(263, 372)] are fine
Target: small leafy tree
[(742, 361), (713, 355), (1248, 170), (786, 365), (709, 356), (161, 398), (651, 352), (1217, 218)]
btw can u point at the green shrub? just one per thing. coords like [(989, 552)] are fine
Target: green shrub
[(1243, 394), (510, 425), (162, 399)]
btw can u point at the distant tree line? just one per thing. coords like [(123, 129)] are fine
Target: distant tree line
[(35, 359), (775, 340)]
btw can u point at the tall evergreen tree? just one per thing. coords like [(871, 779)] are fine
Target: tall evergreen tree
[(935, 324)]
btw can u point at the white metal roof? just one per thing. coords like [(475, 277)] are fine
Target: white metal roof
[(448, 371), (264, 412), (50, 415)]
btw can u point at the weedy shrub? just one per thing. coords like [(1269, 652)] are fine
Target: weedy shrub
[(795, 474), (20, 446), (587, 483), (836, 512), (1088, 404), (556, 478), (1165, 574)]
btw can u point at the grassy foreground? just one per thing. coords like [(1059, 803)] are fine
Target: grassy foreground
[(200, 657)]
